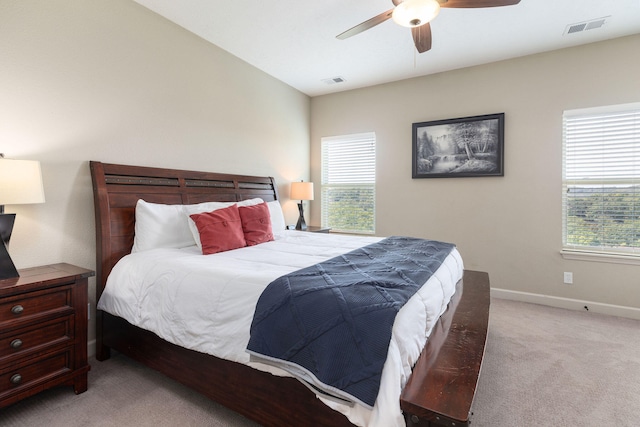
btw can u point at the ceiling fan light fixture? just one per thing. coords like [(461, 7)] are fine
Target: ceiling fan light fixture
[(413, 13)]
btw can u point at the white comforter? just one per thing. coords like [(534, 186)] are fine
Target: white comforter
[(206, 303)]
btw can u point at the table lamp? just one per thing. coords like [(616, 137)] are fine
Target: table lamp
[(20, 183), (301, 191)]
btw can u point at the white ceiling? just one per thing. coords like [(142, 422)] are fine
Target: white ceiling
[(295, 40)]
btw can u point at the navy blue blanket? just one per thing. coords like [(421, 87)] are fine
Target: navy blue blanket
[(330, 324)]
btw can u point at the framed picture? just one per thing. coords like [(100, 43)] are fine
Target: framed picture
[(454, 148)]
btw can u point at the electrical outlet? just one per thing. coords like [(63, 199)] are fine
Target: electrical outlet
[(568, 277)]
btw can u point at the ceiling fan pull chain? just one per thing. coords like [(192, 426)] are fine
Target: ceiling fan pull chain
[(415, 59)]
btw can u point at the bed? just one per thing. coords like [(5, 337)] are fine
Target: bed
[(439, 391)]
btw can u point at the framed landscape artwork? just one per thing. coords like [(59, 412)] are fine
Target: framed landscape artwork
[(463, 147)]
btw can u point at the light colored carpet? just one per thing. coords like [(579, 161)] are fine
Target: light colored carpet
[(543, 367), (552, 367)]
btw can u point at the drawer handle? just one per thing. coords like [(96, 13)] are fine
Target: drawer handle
[(17, 309), (16, 379), (17, 343)]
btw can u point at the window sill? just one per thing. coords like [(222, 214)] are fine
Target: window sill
[(608, 257)]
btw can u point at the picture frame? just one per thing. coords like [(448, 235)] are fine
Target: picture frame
[(459, 148)]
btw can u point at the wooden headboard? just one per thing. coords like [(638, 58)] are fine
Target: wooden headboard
[(117, 189)]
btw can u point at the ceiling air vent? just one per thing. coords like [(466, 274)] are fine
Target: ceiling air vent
[(334, 80), (586, 25)]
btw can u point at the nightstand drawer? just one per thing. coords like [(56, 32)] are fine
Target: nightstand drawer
[(32, 339), (16, 378), (43, 331), (35, 304)]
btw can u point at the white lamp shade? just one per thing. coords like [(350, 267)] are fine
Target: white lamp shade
[(413, 13), (20, 182), (302, 190)]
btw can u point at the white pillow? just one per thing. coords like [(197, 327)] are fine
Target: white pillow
[(277, 217), (210, 207), (205, 207), (251, 202), (160, 226)]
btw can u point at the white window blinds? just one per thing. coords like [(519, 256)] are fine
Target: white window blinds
[(601, 179), (348, 183)]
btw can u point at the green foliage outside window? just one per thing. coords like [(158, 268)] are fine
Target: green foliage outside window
[(352, 209), (600, 217)]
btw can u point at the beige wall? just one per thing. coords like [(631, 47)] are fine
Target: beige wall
[(509, 226), (112, 81)]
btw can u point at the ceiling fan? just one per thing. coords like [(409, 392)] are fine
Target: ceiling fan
[(416, 14)]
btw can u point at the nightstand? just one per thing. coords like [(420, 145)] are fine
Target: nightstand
[(43, 331), (314, 229)]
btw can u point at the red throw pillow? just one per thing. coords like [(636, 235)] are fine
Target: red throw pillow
[(256, 224), (220, 230)]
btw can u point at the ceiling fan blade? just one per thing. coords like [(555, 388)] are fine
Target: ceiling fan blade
[(422, 37), (476, 3), (370, 23)]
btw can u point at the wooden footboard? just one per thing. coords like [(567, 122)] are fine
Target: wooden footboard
[(443, 383), (439, 392)]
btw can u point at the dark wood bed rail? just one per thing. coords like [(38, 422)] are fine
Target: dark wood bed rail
[(440, 390), (443, 382)]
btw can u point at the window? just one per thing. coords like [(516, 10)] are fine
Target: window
[(349, 183), (601, 180)]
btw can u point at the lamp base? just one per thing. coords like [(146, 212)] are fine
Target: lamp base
[(301, 225), (7, 268)]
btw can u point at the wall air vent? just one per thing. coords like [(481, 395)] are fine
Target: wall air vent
[(334, 80), (579, 27)]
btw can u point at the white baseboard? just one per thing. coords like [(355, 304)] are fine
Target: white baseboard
[(568, 303)]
